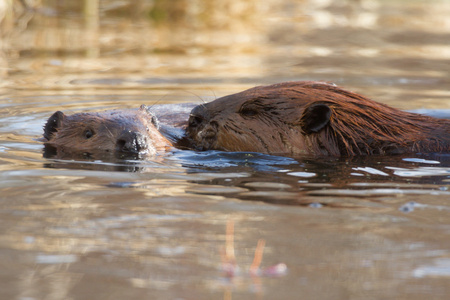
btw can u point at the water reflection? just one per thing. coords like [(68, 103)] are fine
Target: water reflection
[(292, 181), (391, 55), (346, 228)]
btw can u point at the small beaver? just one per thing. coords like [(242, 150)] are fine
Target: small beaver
[(122, 133), (312, 118)]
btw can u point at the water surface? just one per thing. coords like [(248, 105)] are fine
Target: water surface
[(350, 228)]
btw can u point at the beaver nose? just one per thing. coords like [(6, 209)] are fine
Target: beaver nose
[(209, 131), (131, 142)]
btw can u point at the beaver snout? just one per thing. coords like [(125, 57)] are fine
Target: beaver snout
[(206, 137), (202, 128), (131, 142), (209, 131)]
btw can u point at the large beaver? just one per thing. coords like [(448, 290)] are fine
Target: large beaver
[(122, 133), (312, 118)]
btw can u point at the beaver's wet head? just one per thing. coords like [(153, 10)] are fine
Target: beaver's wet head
[(122, 133), (242, 122)]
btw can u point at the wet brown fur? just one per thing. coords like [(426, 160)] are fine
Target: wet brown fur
[(95, 134), (313, 118)]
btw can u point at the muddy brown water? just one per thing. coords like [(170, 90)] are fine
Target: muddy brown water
[(360, 228)]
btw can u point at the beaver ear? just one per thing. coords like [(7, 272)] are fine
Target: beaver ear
[(53, 123), (315, 117), (154, 119)]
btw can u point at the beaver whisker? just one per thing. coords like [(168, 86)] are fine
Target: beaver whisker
[(196, 95), (261, 140), (153, 104), (157, 101), (215, 96), (109, 131)]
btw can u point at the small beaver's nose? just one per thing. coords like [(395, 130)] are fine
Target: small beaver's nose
[(130, 141)]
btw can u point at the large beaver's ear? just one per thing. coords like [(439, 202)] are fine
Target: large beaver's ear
[(315, 117), (147, 110), (53, 123)]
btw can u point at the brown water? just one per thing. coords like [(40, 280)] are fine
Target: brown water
[(364, 228)]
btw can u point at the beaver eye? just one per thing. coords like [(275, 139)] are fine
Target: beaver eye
[(248, 112), (88, 134)]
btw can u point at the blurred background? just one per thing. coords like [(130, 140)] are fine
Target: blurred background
[(378, 227), (394, 50)]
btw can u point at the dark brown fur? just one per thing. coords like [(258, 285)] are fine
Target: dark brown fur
[(118, 132), (312, 118)]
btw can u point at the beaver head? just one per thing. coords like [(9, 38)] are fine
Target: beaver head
[(122, 133), (312, 118)]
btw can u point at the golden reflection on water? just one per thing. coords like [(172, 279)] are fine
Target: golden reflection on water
[(69, 231), (377, 47)]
